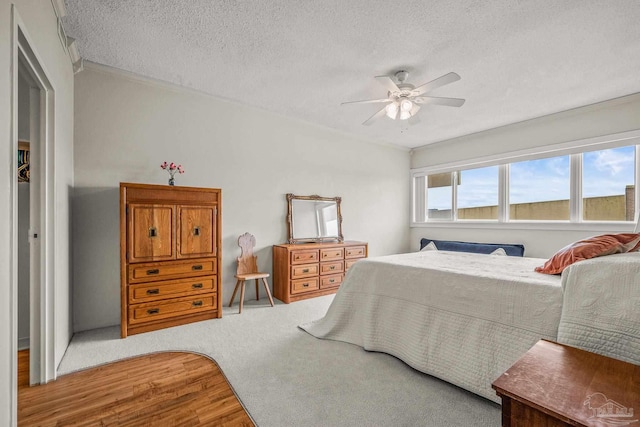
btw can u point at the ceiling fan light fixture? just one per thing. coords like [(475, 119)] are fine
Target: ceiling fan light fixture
[(404, 100), (406, 105), (392, 110)]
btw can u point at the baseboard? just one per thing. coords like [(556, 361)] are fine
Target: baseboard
[(23, 343)]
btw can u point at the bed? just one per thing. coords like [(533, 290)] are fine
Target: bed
[(467, 317), (462, 317)]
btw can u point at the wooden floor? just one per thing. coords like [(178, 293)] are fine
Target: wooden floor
[(161, 389), (23, 368)]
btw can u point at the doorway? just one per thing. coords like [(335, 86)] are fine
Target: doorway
[(28, 215), (33, 202)]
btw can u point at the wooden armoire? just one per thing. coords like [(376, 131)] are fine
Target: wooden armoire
[(169, 256)]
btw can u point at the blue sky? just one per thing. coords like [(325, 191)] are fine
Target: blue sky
[(605, 173)]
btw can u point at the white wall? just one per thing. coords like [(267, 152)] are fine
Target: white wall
[(40, 24), (605, 118), (126, 126)]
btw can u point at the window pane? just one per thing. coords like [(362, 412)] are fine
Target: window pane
[(539, 189), (608, 192), (478, 193), (439, 196)]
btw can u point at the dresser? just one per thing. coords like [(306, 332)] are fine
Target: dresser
[(555, 385), (308, 270), (169, 256)]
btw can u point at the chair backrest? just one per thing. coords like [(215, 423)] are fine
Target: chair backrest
[(247, 262)]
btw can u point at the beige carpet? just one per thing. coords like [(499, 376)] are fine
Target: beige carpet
[(286, 377)]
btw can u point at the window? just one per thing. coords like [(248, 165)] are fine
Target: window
[(539, 189), (576, 184), (478, 193), (608, 188), (439, 191)]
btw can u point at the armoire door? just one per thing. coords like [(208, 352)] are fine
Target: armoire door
[(152, 232), (196, 231)]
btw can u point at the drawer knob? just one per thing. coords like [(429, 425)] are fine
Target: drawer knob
[(153, 291), (197, 286), (196, 267), (154, 271), (306, 270), (153, 311), (197, 303)]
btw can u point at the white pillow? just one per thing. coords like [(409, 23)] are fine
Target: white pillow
[(499, 251), (430, 247)]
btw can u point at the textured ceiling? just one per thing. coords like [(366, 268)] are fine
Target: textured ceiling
[(517, 59)]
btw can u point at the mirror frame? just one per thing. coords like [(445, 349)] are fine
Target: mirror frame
[(292, 239)]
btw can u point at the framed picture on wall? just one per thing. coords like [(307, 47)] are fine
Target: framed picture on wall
[(23, 161)]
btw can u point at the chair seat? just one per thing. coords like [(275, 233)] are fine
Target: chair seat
[(251, 276)]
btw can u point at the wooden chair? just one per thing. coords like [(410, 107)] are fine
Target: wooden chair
[(248, 270)]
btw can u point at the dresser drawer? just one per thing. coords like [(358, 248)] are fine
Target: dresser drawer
[(349, 263), (304, 285), (330, 281), (306, 270), (355, 252), (148, 312), (171, 289), (331, 267), (302, 257), (170, 270), (331, 254)]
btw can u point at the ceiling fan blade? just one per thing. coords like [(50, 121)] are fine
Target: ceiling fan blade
[(377, 115), (388, 83), (368, 101), (449, 102), (440, 81)]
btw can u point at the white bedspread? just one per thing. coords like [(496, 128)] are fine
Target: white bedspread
[(462, 317), (601, 310)]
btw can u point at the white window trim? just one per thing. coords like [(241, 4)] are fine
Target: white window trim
[(574, 149)]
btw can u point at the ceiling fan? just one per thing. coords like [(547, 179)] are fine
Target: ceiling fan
[(404, 100)]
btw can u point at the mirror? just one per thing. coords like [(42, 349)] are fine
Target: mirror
[(314, 219)]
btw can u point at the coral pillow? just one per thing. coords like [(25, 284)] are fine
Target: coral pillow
[(596, 246)]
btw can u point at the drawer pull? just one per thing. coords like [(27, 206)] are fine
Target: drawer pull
[(197, 303), (153, 232), (154, 271), (153, 311), (333, 267), (306, 270), (153, 291), (305, 285), (332, 280), (196, 267), (197, 286)]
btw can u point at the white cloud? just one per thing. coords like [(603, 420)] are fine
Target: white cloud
[(613, 161)]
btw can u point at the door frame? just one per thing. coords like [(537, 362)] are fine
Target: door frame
[(26, 58)]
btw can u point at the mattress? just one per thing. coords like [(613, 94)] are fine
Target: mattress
[(461, 317)]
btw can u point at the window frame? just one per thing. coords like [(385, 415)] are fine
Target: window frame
[(574, 149)]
